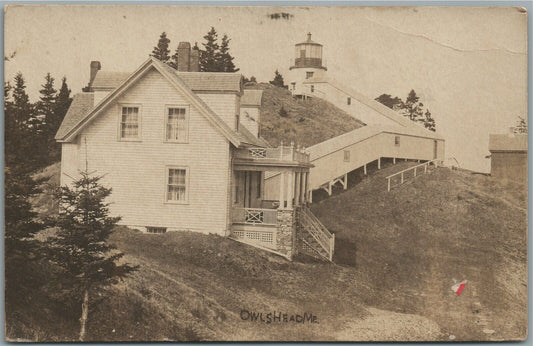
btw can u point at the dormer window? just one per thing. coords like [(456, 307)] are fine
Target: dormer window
[(176, 124), (308, 75), (130, 119)]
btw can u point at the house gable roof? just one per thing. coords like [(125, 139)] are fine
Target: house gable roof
[(81, 104), (81, 116), (196, 81)]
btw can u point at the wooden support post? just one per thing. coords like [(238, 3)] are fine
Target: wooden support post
[(364, 169), (426, 168), (379, 163), (346, 181), (292, 151), (282, 190), (401, 175), (393, 160), (281, 151), (297, 183), (329, 188), (303, 188), (418, 161), (405, 160), (290, 188), (415, 171)]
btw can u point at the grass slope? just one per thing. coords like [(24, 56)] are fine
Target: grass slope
[(307, 122), (397, 256), (410, 244)]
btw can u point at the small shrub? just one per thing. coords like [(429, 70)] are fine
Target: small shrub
[(283, 113)]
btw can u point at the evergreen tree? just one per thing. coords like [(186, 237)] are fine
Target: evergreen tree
[(278, 80), (389, 101), (411, 107), (225, 60), (19, 130), (209, 55), (45, 109), (22, 251), (428, 121), (161, 51), (62, 104), (521, 126), (173, 62), (80, 248)]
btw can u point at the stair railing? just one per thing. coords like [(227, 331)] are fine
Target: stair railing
[(323, 237)]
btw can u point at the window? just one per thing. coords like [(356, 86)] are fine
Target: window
[(293, 85), (349, 101), (129, 123), (346, 156), (177, 185), (176, 124), (312, 88), (156, 230), (397, 141), (308, 75)]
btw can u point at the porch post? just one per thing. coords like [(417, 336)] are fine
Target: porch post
[(297, 183), (303, 187), (290, 189), (281, 190)]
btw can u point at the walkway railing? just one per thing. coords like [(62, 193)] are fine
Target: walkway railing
[(421, 167)]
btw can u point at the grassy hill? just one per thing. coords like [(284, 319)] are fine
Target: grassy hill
[(397, 255), (306, 123)]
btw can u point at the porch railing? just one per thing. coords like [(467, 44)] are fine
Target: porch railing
[(282, 153), (402, 174), (254, 216)]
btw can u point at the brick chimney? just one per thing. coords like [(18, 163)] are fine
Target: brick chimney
[(184, 56), (194, 65), (95, 67)]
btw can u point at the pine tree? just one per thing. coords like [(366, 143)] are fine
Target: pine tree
[(62, 104), (428, 121), (209, 55), (278, 80), (521, 126), (45, 108), (80, 247), (19, 131), (161, 51), (22, 251), (173, 62), (389, 101), (411, 107), (225, 60)]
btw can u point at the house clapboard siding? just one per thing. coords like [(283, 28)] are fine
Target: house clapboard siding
[(225, 105), (136, 170)]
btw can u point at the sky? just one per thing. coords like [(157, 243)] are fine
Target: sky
[(468, 65)]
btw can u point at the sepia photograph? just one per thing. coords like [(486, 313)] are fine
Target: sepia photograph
[(265, 173)]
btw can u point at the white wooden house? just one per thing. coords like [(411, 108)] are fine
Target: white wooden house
[(178, 155)]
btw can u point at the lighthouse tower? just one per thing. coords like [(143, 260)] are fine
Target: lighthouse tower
[(308, 64)]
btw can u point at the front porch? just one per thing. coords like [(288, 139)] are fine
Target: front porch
[(269, 220)]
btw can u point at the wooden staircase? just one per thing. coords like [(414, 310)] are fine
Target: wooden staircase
[(313, 237)]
